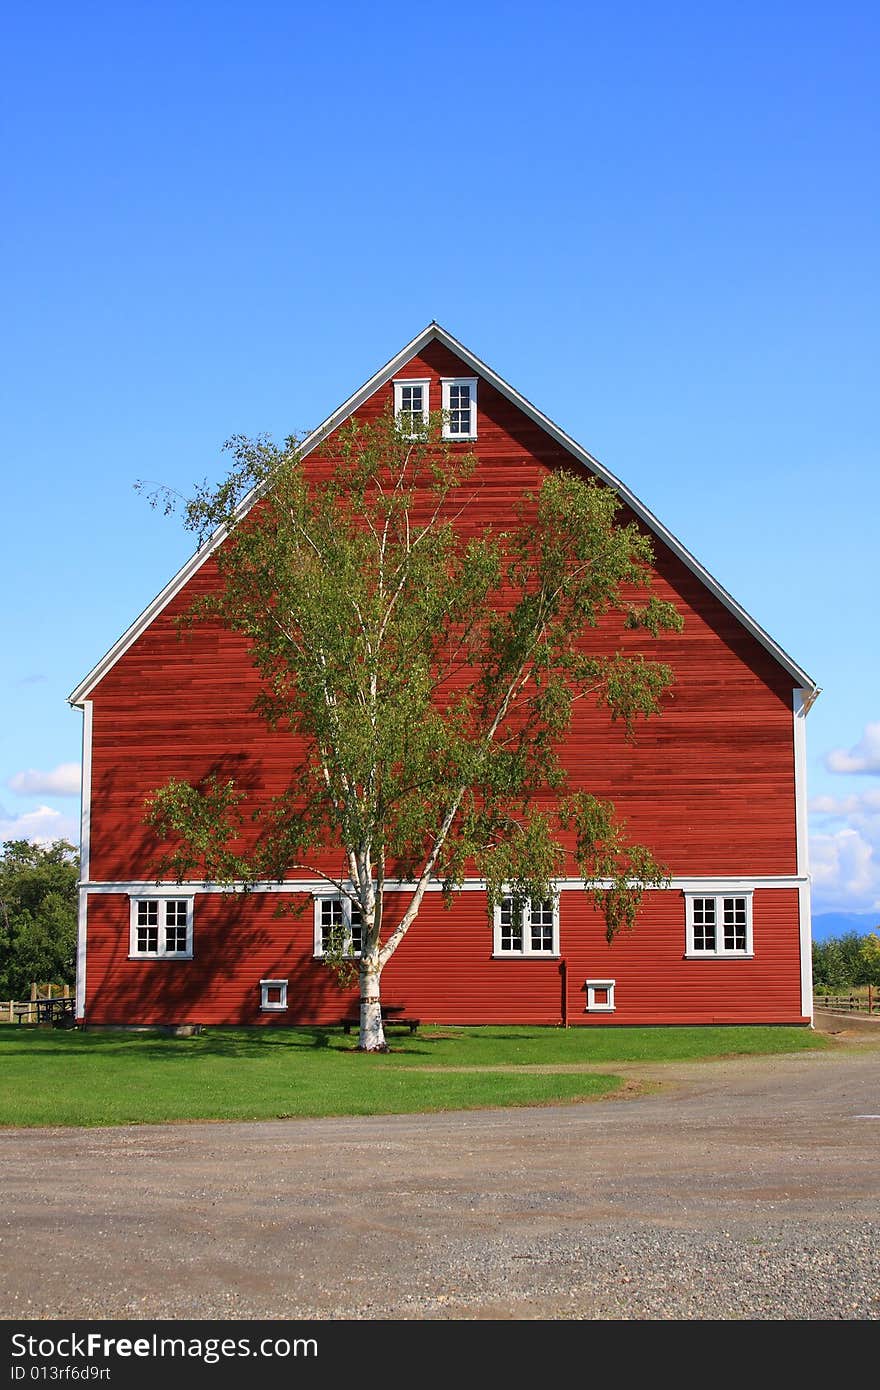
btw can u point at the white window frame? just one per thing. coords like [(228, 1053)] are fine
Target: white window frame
[(425, 383), (266, 1004), (592, 1006), (347, 906), (721, 951), (526, 952), (162, 899), (446, 385)]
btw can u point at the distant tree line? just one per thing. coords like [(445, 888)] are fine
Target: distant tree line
[(844, 962), (38, 898)]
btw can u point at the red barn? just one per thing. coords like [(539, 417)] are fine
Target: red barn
[(715, 787)]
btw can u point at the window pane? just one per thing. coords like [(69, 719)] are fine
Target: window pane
[(357, 930), (412, 409), (704, 924), (331, 921), (542, 926), (459, 409), (734, 924), (511, 926)]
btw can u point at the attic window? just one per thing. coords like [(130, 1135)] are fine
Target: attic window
[(460, 407), (411, 405)]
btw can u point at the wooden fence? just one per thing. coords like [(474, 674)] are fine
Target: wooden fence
[(867, 1003), (29, 1010)]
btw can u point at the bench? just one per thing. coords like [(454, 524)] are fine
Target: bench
[(391, 1013), (57, 1012)]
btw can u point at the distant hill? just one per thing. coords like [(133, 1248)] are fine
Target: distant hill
[(827, 924)]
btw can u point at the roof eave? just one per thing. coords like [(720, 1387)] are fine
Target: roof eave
[(432, 332)]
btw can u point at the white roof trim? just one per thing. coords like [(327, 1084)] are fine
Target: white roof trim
[(381, 378)]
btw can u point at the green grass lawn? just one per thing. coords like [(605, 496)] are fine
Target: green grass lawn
[(54, 1077)]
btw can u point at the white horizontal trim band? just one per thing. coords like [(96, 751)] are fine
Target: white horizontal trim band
[(719, 955), (145, 888)]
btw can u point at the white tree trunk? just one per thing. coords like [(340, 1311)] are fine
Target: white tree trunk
[(372, 1034)]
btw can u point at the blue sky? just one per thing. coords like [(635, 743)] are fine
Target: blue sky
[(657, 222)]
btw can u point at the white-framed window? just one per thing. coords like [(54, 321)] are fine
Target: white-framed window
[(338, 918), (161, 928), (600, 996), (527, 928), (460, 407), (273, 995), (718, 924), (411, 405)]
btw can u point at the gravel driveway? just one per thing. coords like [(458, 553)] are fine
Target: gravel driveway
[(738, 1189)]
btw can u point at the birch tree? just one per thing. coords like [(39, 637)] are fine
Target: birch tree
[(428, 666)]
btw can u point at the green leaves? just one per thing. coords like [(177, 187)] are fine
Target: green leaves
[(429, 662), (615, 873), (38, 900), (199, 821), (847, 961)]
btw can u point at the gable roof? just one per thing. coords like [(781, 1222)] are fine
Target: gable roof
[(433, 333)]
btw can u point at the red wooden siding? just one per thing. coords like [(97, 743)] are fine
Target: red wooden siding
[(238, 940), (709, 787)]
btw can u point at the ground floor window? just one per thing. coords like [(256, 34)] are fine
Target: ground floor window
[(161, 927), (718, 924), (338, 926), (527, 927)]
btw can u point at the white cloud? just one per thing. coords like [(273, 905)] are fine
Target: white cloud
[(863, 757), (42, 826), (846, 872), (845, 851), (63, 780), (845, 839), (857, 804)]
